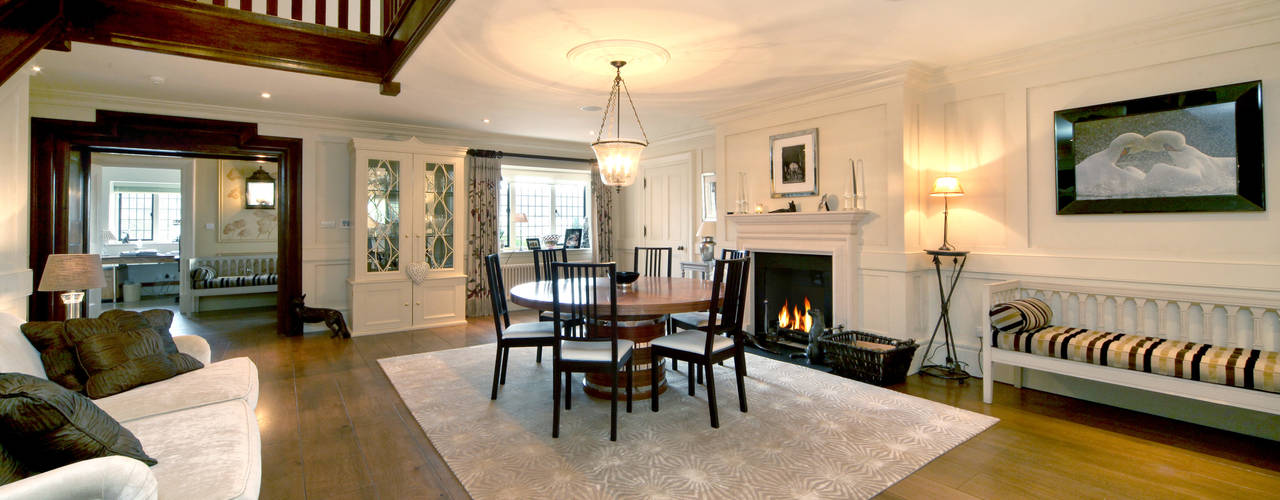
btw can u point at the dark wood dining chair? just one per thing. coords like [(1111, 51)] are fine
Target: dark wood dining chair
[(533, 334), (653, 261), (704, 348), (698, 319), (592, 345), (542, 260)]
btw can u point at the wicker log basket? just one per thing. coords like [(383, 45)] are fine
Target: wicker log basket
[(868, 357)]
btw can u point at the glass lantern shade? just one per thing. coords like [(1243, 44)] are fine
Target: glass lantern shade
[(260, 190), (619, 160)]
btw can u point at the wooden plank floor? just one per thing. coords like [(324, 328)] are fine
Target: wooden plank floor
[(333, 427)]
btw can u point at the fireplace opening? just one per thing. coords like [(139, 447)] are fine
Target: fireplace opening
[(787, 288)]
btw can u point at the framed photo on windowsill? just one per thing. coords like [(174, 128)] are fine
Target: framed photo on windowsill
[(533, 243), (573, 238), (793, 164)]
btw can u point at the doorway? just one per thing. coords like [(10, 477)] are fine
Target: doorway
[(62, 154)]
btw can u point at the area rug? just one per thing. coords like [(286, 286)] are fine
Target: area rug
[(807, 434)]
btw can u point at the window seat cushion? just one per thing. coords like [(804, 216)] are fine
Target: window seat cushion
[(236, 281)]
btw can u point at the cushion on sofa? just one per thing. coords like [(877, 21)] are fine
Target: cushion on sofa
[(1020, 315), (16, 352), (117, 360), (236, 281), (47, 426), (56, 353), (158, 320), (1250, 369), (212, 451), (10, 468), (235, 378), (201, 273)]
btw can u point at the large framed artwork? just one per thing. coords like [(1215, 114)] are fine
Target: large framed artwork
[(793, 164), (237, 224), (1193, 151)]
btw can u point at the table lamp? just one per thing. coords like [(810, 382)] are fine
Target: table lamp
[(707, 247), (72, 274), (946, 187)]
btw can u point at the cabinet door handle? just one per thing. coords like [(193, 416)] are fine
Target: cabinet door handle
[(406, 304)]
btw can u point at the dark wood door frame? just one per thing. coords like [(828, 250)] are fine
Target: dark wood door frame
[(57, 186)]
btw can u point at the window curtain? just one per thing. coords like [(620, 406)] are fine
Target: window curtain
[(602, 203), (484, 172)]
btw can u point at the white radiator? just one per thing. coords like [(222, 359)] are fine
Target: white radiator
[(513, 275)]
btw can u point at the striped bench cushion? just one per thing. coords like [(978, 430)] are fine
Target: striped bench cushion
[(1020, 315), (235, 281), (1250, 369)]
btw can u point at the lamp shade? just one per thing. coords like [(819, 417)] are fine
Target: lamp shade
[(619, 160), (947, 186), (707, 228), (72, 271), (519, 218)]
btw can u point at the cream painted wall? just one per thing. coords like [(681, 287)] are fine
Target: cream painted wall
[(207, 244), (995, 134), (15, 186), (700, 147), (326, 198)]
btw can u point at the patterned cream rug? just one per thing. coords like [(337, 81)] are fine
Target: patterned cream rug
[(807, 434)]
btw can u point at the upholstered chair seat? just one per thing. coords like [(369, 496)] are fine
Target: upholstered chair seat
[(529, 331), (694, 341), (592, 351)]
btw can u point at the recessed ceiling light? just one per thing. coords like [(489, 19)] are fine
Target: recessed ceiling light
[(591, 132), (266, 95), (590, 108), (157, 80), (486, 121), (36, 69)]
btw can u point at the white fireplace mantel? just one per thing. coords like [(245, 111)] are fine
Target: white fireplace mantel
[(813, 233)]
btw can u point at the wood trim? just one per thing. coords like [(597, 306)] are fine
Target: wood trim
[(273, 7), (365, 15), (407, 30), (53, 140), (26, 26), (344, 13), (205, 31), (297, 10), (321, 14)]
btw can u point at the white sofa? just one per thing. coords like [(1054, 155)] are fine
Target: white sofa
[(200, 427)]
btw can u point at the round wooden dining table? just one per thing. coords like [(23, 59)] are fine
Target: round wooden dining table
[(642, 310)]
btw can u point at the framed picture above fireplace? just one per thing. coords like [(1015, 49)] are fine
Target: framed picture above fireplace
[(793, 164), (1193, 151)]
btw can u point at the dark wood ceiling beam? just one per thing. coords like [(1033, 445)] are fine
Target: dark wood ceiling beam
[(193, 29), (406, 30), (26, 26)]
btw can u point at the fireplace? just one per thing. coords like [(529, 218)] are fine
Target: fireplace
[(787, 286)]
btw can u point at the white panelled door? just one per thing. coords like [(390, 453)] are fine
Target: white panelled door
[(668, 205)]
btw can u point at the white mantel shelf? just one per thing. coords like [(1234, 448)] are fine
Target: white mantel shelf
[(813, 233)]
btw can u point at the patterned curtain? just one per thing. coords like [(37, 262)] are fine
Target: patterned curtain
[(484, 171), (602, 197)]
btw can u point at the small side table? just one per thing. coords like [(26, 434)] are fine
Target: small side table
[(951, 369), (695, 266)]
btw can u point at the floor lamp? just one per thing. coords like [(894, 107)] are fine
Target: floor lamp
[(952, 368), (72, 274)]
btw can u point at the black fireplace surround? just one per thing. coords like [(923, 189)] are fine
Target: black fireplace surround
[(789, 278)]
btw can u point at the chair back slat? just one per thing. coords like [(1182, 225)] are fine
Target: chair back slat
[(729, 253), (543, 258), (497, 293), (578, 291), (732, 274), (649, 261)]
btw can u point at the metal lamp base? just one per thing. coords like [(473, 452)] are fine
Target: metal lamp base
[(72, 300), (707, 249)]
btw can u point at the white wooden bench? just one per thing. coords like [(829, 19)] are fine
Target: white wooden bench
[(1245, 320), (230, 266)]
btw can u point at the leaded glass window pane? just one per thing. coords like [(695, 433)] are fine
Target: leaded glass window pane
[(438, 193), (383, 211)]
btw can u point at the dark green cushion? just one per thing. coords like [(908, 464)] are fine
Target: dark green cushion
[(10, 468), (58, 355), (117, 360), (158, 320), (45, 426)]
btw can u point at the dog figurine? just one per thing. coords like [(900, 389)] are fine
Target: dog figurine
[(331, 317)]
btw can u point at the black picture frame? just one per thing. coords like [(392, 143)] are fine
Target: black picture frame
[(573, 238), (533, 243), (1181, 112)]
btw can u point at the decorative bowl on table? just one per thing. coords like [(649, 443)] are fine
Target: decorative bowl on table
[(626, 279)]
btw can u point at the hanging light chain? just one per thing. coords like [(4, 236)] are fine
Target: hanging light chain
[(633, 108), (615, 99), (609, 106)]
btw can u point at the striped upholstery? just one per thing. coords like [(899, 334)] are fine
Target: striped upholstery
[(234, 281), (1250, 369), (1020, 315), (203, 273)]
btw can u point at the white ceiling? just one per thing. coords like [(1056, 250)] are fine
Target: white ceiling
[(505, 59)]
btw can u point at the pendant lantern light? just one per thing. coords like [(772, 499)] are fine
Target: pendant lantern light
[(619, 156)]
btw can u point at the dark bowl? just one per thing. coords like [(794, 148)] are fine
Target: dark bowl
[(626, 277)]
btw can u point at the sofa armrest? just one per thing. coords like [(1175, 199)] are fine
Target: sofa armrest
[(111, 478), (195, 346)]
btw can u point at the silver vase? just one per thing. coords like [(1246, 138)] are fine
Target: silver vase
[(707, 249)]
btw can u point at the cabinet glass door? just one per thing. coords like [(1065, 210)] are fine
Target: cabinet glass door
[(383, 212), (438, 192)]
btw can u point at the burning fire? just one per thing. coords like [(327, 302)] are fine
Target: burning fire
[(790, 317)]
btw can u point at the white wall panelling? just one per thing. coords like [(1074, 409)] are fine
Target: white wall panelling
[(15, 187)]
